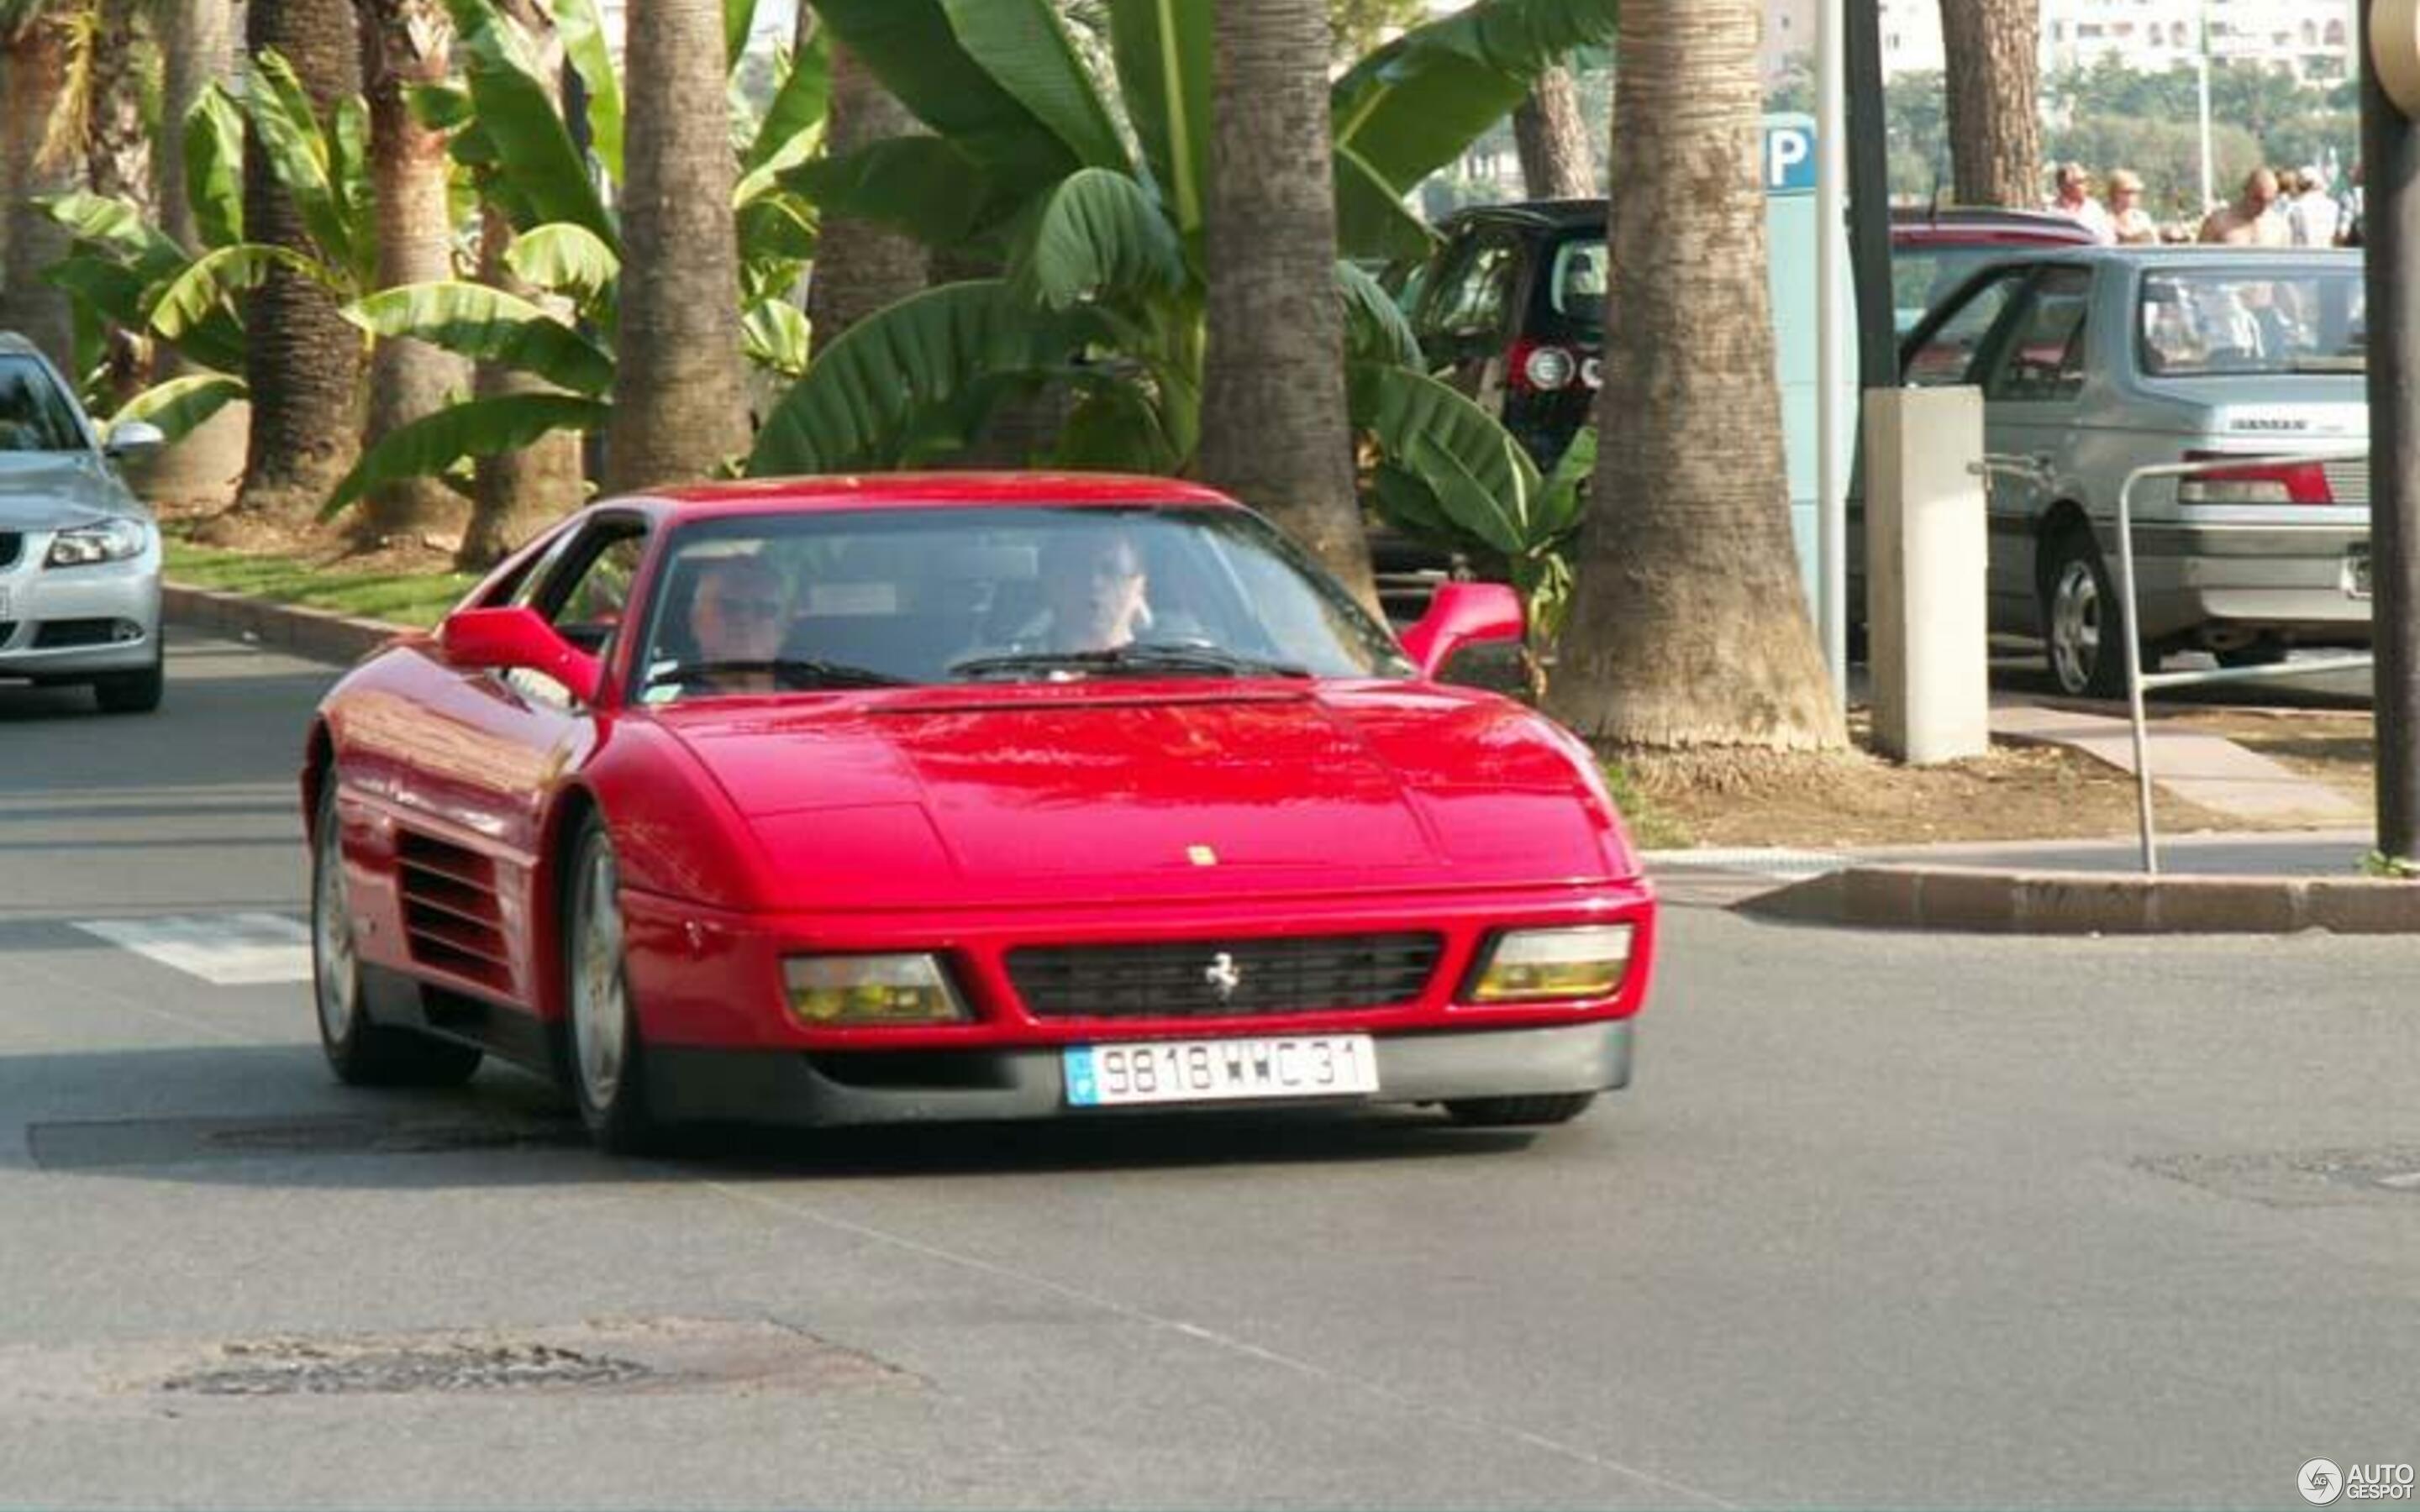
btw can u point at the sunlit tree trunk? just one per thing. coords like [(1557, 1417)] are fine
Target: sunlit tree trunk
[(33, 71), (1994, 123), (196, 50), (680, 407), (1689, 624), (404, 44), (303, 362), (1274, 431), (1551, 136)]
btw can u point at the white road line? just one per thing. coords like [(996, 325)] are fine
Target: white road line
[(224, 949)]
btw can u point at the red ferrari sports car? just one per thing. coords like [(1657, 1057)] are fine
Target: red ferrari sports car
[(857, 800)]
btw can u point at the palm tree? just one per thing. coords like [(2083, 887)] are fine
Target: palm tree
[(859, 266), (1274, 432), (679, 405), (301, 360), (1995, 125), (34, 53), (404, 43), (1689, 624), (1551, 136), (197, 49)]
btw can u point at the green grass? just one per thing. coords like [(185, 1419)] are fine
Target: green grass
[(404, 598), (1651, 829)]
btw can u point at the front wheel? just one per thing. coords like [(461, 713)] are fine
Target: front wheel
[(1513, 1112), (2082, 618), (135, 692), (603, 1055)]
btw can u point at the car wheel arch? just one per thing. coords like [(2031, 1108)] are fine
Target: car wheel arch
[(552, 886), (318, 767)]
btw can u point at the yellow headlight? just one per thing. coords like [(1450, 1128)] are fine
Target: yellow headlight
[(834, 989), (1534, 965)]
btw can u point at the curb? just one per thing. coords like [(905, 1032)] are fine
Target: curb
[(1977, 900), (318, 634)]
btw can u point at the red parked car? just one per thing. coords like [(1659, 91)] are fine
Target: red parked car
[(859, 800)]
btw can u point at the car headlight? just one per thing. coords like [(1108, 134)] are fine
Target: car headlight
[(834, 991), (1546, 965), (111, 540)]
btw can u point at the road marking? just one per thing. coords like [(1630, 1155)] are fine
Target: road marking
[(224, 949), (1763, 862)]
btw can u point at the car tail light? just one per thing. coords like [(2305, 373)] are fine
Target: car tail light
[(2257, 483), (1540, 367)]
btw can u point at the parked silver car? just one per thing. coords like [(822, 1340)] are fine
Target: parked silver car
[(2095, 361), (79, 553)]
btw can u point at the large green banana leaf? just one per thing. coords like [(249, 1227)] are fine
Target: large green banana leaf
[(213, 148), (777, 336), (592, 58), (1162, 47), (428, 446), (919, 185), (1415, 104), (793, 125), (1375, 328), (1024, 46), (210, 282), (1475, 474), (103, 285), (116, 229), (181, 404), (517, 122), (738, 17), (908, 378), (564, 258), (487, 325), (1097, 234), (912, 47), (1372, 220), (298, 153)]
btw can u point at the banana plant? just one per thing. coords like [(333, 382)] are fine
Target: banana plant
[(123, 270), (1103, 290), (509, 136)]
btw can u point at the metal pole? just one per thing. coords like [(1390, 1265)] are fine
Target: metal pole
[(2208, 171), (1868, 149), (2392, 236), (2124, 623), (1832, 324)]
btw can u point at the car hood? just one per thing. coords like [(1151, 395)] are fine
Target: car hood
[(52, 490), (949, 795)]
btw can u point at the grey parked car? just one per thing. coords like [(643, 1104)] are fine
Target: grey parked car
[(2099, 360), (79, 553)]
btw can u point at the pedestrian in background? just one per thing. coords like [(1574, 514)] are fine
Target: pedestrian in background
[(2129, 225), (2074, 200), (2311, 212), (2248, 222)]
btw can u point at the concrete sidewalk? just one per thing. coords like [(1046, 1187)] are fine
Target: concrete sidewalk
[(2200, 768)]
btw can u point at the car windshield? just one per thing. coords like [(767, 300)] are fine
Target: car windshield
[(2208, 322), (870, 599), (1925, 273), (34, 415), (1577, 288)]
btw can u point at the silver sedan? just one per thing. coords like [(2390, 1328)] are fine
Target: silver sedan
[(2095, 361), (79, 553)]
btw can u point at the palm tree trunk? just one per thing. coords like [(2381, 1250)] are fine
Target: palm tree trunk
[(1994, 124), (1689, 624), (404, 44), (197, 48), (1274, 431), (33, 71), (303, 362), (517, 494), (117, 160), (860, 267), (1551, 136), (680, 406)]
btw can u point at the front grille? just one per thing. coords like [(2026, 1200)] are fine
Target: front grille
[(11, 542), (2347, 481), (56, 635), (1262, 976)]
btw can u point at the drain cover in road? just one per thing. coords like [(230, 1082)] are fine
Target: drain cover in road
[(224, 949), (2301, 1179)]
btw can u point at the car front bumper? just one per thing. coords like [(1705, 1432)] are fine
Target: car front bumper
[(875, 1087), (69, 623)]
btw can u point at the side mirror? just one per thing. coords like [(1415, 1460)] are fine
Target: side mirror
[(1462, 614), (513, 640), (134, 440)]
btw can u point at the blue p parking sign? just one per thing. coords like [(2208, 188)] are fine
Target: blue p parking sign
[(1789, 155)]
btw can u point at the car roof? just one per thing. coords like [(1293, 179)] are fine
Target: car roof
[(2189, 253), (13, 345), (1985, 223), (933, 490)]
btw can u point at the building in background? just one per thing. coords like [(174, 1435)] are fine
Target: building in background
[(2313, 38)]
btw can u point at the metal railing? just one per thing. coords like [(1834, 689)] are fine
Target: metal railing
[(2136, 679)]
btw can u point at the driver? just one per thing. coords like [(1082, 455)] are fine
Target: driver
[(1093, 587), (739, 615)]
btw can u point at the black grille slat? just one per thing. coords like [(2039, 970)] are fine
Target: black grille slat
[(11, 542), (58, 635), (1288, 975)]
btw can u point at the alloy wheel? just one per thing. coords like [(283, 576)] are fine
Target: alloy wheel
[(334, 981), (599, 1012), (2076, 626)]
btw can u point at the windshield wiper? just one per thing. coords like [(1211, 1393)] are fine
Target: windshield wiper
[(788, 672), (1141, 657)]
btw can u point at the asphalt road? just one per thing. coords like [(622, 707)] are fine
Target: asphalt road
[(1889, 1220)]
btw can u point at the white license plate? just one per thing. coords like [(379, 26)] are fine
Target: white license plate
[(2357, 571), (1219, 1070)]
